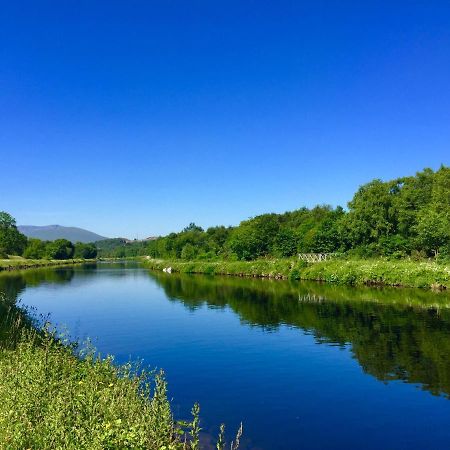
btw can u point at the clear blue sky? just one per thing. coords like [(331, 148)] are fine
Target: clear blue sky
[(135, 118)]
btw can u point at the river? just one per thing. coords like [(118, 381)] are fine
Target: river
[(302, 365)]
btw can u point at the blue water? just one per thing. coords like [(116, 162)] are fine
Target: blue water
[(303, 366)]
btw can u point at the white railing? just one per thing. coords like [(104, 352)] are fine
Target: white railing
[(315, 257)]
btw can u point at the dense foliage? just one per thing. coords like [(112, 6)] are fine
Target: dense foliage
[(120, 248), (408, 216), (85, 251), (59, 249), (13, 242), (405, 216)]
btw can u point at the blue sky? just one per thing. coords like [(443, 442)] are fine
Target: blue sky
[(136, 118)]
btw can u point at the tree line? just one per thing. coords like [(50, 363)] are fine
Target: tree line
[(408, 216), (121, 248), (13, 242)]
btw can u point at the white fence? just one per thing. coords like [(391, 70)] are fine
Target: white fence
[(315, 257)]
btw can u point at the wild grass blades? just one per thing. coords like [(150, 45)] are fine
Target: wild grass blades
[(52, 398), (195, 426), (221, 438), (235, 444), (380, 272)]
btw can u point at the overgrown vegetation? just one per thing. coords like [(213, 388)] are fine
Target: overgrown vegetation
[(425, 274), (120, 248), (408, 216), (53, 398)]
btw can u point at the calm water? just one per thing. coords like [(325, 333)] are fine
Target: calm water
[(304, 366)]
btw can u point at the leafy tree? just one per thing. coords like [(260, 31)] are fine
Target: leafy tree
[(393, 245), (35, 249), (414, 194), (12, 241), (59, 249), (285, 243), (371, 214), (309, 224), (86, 251), (404, 216), (120, 247), (433, 223), (188, 252), (255, 237), (217, 237), (328, 235), (433, 231), (192, 227)]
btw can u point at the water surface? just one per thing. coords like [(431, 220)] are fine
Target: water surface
[(303, 365)]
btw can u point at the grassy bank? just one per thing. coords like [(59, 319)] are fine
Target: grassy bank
[(19, 263), (53, 396), (405, 273)]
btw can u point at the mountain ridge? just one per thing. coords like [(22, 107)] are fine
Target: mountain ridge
[(52, 232)]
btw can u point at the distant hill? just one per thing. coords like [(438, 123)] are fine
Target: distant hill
[(52, 232), (122, 247)]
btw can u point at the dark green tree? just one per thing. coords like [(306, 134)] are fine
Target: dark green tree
[(255, 237), (35, 249), (12, 241), (188, 252), (85, 250), (59, 249), (285, 243)]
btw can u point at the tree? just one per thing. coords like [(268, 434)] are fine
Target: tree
[(192, 227), (59, 249), (255, 237), (85, 251), (395, 217), (35, 249), (326, 238), (433, 224), (188, 252), (12, 241), (371, 214), (285, 243), (433, 231)]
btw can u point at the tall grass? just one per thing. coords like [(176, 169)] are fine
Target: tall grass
[(54, 397), (17, 262), (408, 273)]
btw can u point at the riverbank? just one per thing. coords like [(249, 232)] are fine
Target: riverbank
[(56, 395), (379, 272), (19, 263)]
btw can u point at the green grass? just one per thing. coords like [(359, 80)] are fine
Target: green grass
[(407, 273), (424, 274), (273, 268), (51, 398), (17, 262)]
